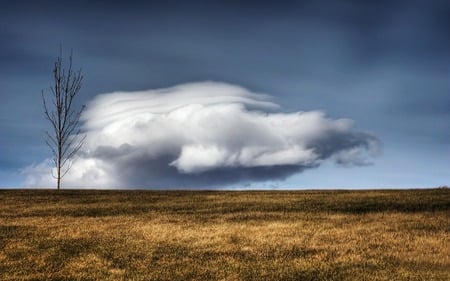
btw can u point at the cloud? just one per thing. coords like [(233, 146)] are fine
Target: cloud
[(203, 135)]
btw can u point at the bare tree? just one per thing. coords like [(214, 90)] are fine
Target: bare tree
[(64, 138)]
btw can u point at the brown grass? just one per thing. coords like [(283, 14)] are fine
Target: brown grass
[(200, 235)]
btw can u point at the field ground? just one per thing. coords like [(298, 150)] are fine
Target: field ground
[(208, 235)]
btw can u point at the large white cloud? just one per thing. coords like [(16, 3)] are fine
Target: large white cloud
[(205, 134)]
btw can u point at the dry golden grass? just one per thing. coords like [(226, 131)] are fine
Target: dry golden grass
[(156, 235)]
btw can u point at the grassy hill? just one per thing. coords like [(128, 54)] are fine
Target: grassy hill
[(209, 235)]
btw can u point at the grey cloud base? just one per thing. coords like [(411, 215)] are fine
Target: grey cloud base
[(204, 135), (156, 173)]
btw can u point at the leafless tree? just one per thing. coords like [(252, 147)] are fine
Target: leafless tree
[(64, 138)]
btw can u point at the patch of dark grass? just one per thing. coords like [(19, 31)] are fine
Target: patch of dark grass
[(290, 273), (61, 251), (135, 203), (15, 232)]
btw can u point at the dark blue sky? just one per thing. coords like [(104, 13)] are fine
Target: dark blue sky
[(383, 64)]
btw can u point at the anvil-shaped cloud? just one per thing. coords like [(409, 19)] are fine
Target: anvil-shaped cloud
[(202, 135)]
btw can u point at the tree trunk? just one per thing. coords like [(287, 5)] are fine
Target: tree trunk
[(58, 179)]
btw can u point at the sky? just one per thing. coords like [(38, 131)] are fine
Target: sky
[(233, 94)]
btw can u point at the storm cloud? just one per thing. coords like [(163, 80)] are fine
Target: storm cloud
[(203, 135)]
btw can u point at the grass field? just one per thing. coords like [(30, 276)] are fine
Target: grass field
[(201, 235)]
